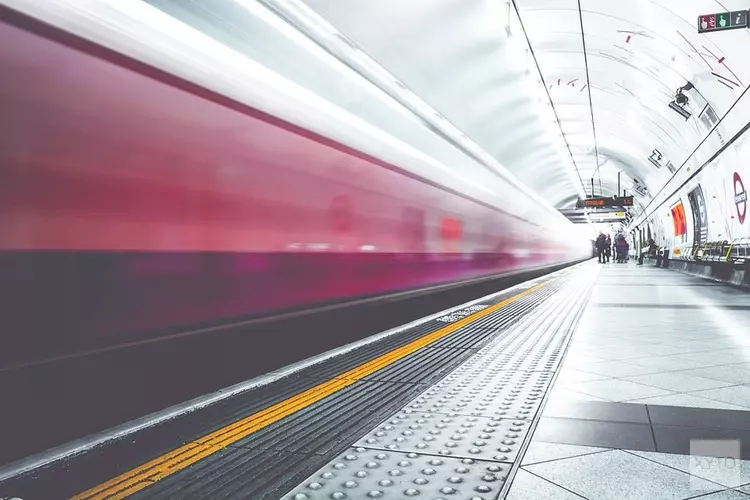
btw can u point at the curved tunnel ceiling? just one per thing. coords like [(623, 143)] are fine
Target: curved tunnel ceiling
[(515, 78)]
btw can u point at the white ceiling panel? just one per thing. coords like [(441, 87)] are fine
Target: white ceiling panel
[(532, 97)]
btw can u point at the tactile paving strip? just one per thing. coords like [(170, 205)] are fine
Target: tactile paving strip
[(493, 382), (452, 435), (536, 342), (492, 393), (482, 412), (361, 473)]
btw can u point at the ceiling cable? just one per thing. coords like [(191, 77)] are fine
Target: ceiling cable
[(549, 97), (588, 87)]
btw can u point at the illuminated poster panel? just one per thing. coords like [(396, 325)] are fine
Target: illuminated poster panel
[(678, 219)]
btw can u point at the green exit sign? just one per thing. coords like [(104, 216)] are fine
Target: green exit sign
[(722, 21)]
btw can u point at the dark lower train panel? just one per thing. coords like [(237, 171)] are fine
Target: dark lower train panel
[(78, 396), (58, 303), (316, 433)]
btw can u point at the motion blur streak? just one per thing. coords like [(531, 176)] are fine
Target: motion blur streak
[(132, 203)]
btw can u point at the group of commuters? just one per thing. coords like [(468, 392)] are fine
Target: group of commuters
[(605, 248)]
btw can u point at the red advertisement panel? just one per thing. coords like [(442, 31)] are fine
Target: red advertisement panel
[(678, 219)]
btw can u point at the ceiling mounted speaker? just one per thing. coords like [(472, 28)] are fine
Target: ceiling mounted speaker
[(679, 110)]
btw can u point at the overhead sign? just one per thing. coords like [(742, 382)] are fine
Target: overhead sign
[(608, 215), (595, 202), (613, 202), (655, 158), (722, 21)]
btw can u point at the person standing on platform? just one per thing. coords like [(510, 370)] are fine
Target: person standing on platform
[(608, 247), (600, 242)]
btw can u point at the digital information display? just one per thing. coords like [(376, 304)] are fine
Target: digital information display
[(722, 21), (614, 202), (594, 202)]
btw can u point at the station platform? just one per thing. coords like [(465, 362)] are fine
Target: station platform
[(610, 381)]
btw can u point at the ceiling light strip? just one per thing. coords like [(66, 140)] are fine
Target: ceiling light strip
[(303, 18), (549, 97)]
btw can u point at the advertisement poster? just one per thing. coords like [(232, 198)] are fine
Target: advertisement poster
[(678, 219), (700, 215)]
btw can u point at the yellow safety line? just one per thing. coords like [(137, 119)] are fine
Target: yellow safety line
[(157, 469)]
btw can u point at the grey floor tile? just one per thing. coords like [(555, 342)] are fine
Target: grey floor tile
[(735, 395), (670, 350), (681, 440), (716, 343), (669, 363), (605, 346), (723, 373), (581, 363), (617, 475), (571, 375), (617, 369), (677, 382), (688, 400), (702, 347), (598, 410), (624, 352), (739, 348), (707, 361), (618, 390), (726, 472), (574, 359), (584, 345), (527, 486), (716, 358), (711, 418), (723, 495), (705, 334), (677, 338), (596, 433), (563, 395), (544, 452)]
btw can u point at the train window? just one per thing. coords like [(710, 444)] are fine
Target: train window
[(413, 228), (341, 213), (451, 229)]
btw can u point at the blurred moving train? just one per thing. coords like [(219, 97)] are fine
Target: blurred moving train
[(151, 182)]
